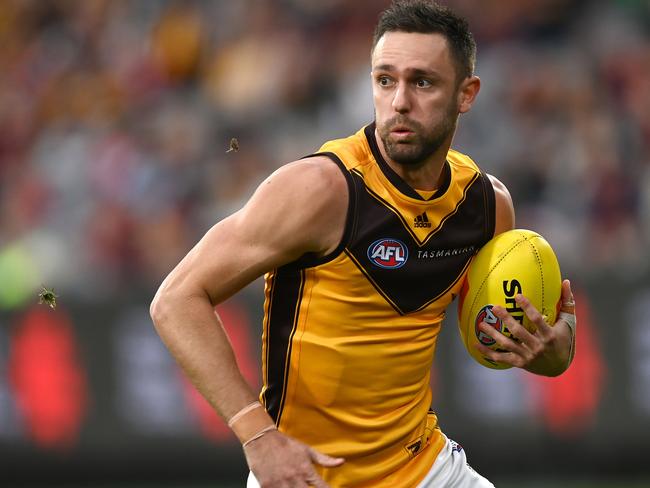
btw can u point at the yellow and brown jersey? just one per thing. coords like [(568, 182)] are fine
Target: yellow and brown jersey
[(349, 338)]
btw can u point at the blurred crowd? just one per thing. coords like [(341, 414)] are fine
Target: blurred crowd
[(116, 118)]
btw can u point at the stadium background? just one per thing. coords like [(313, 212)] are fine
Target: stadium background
[(115, 121)]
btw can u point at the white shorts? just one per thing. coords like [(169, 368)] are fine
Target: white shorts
[(450, 470)]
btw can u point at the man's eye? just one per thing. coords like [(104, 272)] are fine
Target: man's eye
[(383, 80), (423, 83)]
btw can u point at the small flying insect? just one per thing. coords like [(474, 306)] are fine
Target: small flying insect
[(48, 297), (234, 145)]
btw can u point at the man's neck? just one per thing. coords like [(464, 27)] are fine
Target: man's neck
[(425, 176)]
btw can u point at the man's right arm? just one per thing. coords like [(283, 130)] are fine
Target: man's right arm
[(298, 209)]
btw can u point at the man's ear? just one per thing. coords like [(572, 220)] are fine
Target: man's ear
[(467, 92)]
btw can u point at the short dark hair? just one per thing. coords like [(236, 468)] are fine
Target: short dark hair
[(428, 17)]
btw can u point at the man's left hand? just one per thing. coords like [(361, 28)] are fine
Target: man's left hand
[(546, 351)]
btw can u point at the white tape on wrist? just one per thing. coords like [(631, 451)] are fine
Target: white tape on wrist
[(258, 435)]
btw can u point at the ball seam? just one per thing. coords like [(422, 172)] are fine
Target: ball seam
[(541, 269)]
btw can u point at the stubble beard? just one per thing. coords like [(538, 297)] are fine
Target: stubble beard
[(422, 144)]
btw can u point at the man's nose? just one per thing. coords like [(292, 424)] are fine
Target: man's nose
[(401, 100)]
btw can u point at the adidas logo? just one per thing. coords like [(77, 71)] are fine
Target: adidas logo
[(422, 220), (414, 447)]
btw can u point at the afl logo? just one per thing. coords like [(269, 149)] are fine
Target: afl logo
[(486, 315), (388, 253)]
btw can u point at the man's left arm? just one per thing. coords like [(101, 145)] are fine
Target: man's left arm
[(550, 349)]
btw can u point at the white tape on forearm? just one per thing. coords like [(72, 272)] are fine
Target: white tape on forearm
[(243, 411), (570, 320)]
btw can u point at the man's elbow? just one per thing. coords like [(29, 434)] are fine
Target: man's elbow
[(159, 308), (173, 301)]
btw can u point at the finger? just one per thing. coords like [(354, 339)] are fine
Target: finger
[(509, 358), (316, 481), (543, 329), (304, 478), (517, 331), (567, 303), (298, 483), (504, 343), (324, 459)]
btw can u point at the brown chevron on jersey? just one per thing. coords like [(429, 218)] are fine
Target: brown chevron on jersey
[(406, 223)]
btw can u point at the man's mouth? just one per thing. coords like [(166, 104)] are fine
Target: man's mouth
[(401, 131)]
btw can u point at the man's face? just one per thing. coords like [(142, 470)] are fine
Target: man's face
[(415, 94)]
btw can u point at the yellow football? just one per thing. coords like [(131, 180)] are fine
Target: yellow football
[(517, 261)]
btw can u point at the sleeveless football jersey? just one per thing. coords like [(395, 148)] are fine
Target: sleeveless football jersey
[(349, 338)]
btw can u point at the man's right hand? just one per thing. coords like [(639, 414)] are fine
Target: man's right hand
[(278, 461)]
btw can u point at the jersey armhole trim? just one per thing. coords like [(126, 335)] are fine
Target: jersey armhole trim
[(309, 260), (490, 206)]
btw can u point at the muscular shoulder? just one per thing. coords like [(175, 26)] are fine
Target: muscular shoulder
[(505, 211), (303, 203), (318, 178), (301, 208)]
